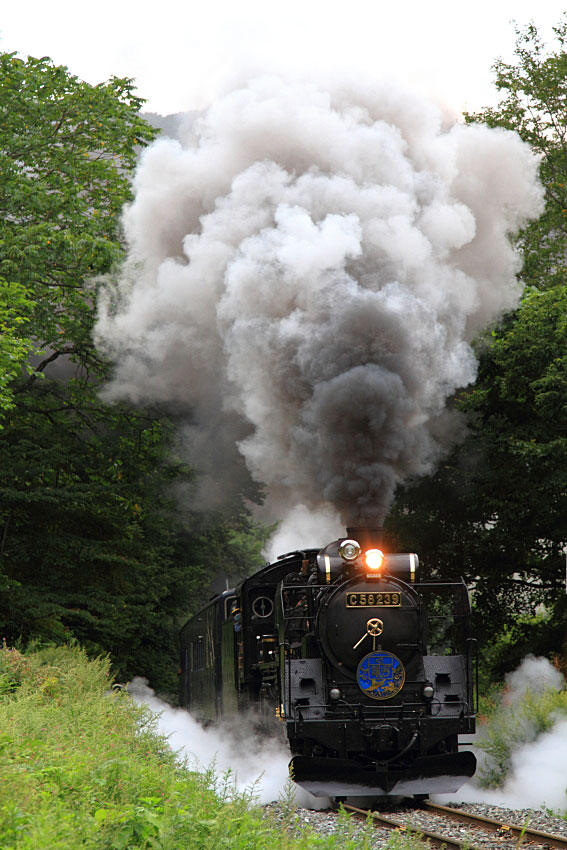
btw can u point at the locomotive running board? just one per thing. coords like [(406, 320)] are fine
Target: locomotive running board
[(328, 777)]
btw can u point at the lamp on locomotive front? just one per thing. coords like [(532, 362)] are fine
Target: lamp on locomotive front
[(349, 550), (373, 560)]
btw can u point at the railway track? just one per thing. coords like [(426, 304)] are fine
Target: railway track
[(477, 823)]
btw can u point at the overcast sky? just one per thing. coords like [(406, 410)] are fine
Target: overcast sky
[(183, 53)]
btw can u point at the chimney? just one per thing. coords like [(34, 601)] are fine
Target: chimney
[(369, 538)]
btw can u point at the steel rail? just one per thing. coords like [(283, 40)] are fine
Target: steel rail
[(497, 826), (434, 839)]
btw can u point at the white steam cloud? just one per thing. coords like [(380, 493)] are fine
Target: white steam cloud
[(538, 768), (534, 674), (253, 764), (306, 271), (303, 528)]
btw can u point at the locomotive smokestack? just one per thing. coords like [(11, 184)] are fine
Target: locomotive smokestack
[(369, 538)]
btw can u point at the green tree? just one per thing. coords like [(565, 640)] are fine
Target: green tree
[(66, 149), (534, 104), (15, 346), (92, 544), (496, 510)]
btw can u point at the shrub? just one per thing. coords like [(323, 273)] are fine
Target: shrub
[(514, 723)]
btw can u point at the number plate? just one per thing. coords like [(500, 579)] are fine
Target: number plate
[(373, 600)]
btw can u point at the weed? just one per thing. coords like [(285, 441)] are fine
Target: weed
[(522, 835)]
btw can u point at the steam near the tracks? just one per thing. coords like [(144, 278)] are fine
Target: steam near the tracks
[(306, 271), (236, 754), (537, 777), (538, 766)]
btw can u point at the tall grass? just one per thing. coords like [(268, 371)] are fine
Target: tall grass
[(83, 768)]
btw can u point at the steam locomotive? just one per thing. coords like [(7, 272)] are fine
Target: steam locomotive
[(369, 670)]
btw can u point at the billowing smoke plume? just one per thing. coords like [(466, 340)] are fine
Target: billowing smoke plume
[(306, 271)]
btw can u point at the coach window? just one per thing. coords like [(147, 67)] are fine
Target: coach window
[(230, 605), (197, 655)]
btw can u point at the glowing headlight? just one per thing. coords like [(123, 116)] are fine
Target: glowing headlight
[(349, 550), (374, 559)]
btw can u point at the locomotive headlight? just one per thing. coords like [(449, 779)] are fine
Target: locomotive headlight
[(335, 694), (428, 692), (349, 550), (373, 558)]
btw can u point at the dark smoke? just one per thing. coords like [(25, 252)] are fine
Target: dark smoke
[(308, 268)]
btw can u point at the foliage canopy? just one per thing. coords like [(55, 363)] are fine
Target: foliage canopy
[(534, 104), (92, 544)]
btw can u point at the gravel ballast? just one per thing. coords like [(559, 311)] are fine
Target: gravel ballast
[(328, 822)]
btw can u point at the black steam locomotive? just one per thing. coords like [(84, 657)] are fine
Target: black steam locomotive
[(369, 669)]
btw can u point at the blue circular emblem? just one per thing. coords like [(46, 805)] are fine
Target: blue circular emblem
[(380, 675)]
